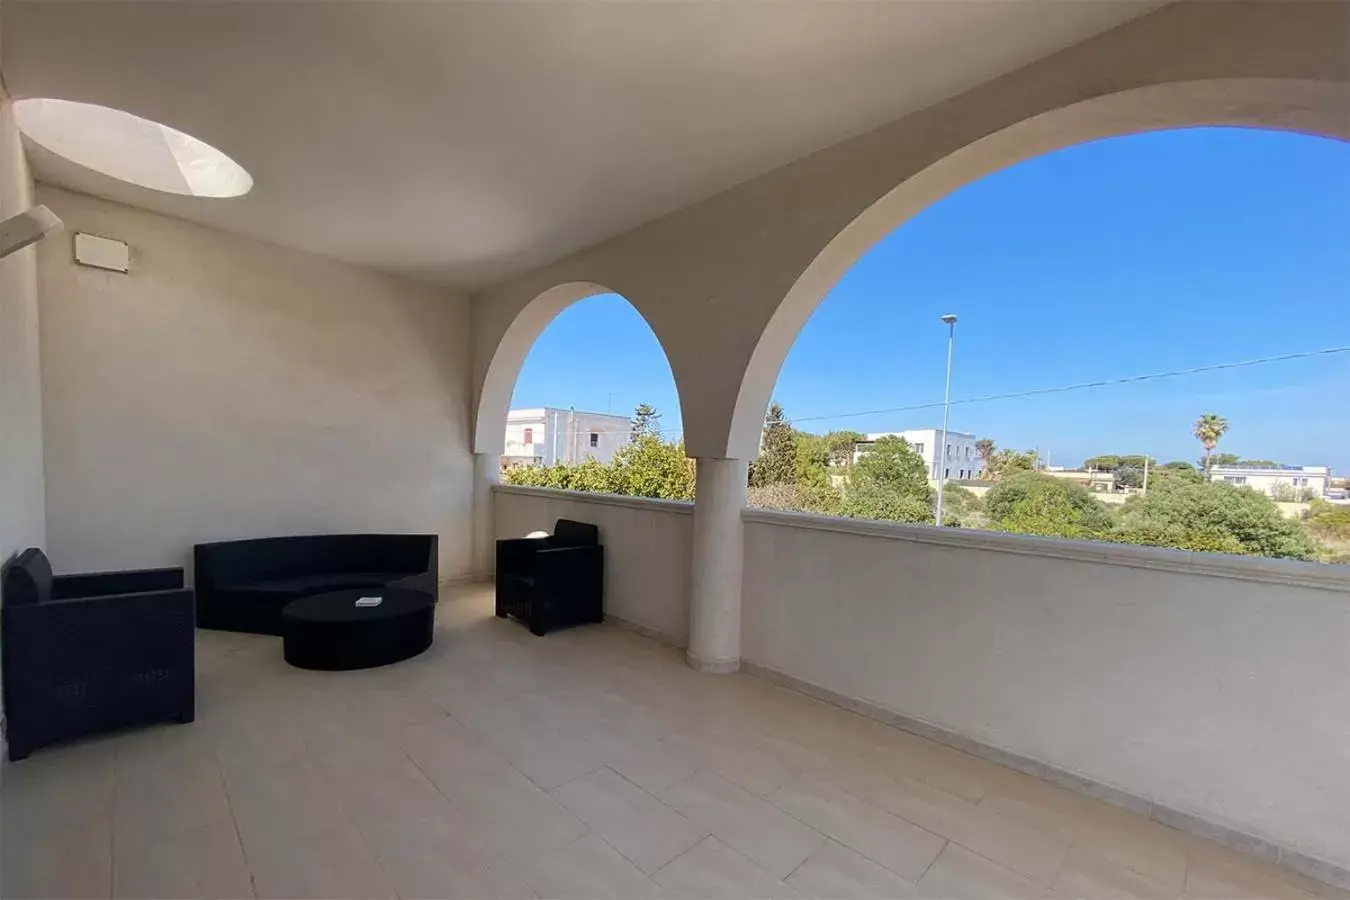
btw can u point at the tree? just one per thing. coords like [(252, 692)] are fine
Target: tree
[(1129, 476), (1211, 516), (1111, 462), (869, 500), (889, 481), (1032, 503), (646, 420), (841, 444), (648, 467), (1004, 463), (1221, 459), (651, 467), (1208, 429), (985, 448), (1255, 463), (1177, 469), (777, 462), (891, 463)]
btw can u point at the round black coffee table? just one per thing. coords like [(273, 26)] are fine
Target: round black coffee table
[(331, 632)]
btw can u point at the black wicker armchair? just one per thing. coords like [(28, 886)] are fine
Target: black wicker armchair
[(555, 581), (88, 653)]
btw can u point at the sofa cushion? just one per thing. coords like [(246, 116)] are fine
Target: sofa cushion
[(304, 585), (28, 579)]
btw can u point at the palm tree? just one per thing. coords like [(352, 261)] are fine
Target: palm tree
[(985, 448), (1208, 429)]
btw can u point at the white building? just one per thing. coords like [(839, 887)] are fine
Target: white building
[(959, 460), (546, 435), (1276, 480)]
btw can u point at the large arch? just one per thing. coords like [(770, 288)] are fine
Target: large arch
[(499, 381), (1312, 107)]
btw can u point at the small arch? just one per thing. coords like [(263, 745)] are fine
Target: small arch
[(1310, 107), (494, 400)]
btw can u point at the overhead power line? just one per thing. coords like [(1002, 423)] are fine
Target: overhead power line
[(1035, 392), (1132, 379)]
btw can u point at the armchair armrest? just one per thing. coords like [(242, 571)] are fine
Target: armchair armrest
[(101, 584), (568, 561)]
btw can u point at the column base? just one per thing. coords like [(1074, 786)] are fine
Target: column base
[(712, 666)]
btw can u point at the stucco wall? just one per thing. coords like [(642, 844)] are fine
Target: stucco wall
[(648, 547), (227, 389), (22, 512), (1154, 672)]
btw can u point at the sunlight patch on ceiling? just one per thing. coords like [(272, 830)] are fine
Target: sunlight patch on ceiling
[(129, 148)]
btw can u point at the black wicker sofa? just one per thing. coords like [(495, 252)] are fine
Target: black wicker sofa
[(243, 585)]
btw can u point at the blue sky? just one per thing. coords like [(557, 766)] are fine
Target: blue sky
[(1116, 258)]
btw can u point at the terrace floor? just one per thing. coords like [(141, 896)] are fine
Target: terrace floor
[(591, 763)]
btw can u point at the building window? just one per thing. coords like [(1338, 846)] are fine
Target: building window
[(967, 452), (1235, 479), (949, 451), (918, 448), (946, 473), (595, 439), (529, 435)]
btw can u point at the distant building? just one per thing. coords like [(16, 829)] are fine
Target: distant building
[(1274, 480), (547, 435), (959, 459)]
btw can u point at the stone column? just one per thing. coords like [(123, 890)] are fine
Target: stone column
[(715, 585), (487, 469)]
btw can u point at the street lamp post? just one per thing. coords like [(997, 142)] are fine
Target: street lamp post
[(941, 451)]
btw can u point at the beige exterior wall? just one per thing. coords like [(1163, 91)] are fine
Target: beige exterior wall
[(648, 549), (727, 283), (22, 508), (228, 389), (1212, 686)]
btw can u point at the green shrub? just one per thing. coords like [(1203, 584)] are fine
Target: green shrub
[(1212, 516), (1031, 503)]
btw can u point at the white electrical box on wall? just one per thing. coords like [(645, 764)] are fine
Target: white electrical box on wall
[(101, 252)]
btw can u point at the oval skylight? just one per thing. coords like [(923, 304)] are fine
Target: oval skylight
[(129, 148)]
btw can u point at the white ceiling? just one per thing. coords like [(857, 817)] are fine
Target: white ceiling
[(466, 142)]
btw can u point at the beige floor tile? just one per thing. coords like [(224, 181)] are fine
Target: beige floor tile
[(652, 764), (23, 880), (512, 814), (275, 804), (711, 870), (1086, 875), (753, 769), (56, 858), (900, 846), (589, 868), (1014, 843), (451, 869), (207, 861), (836, 871), (641, 827), (758, 830), (384, 793), (1114, 834), (1215, 872), (332, 865), (959, 874), (174, 797)]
